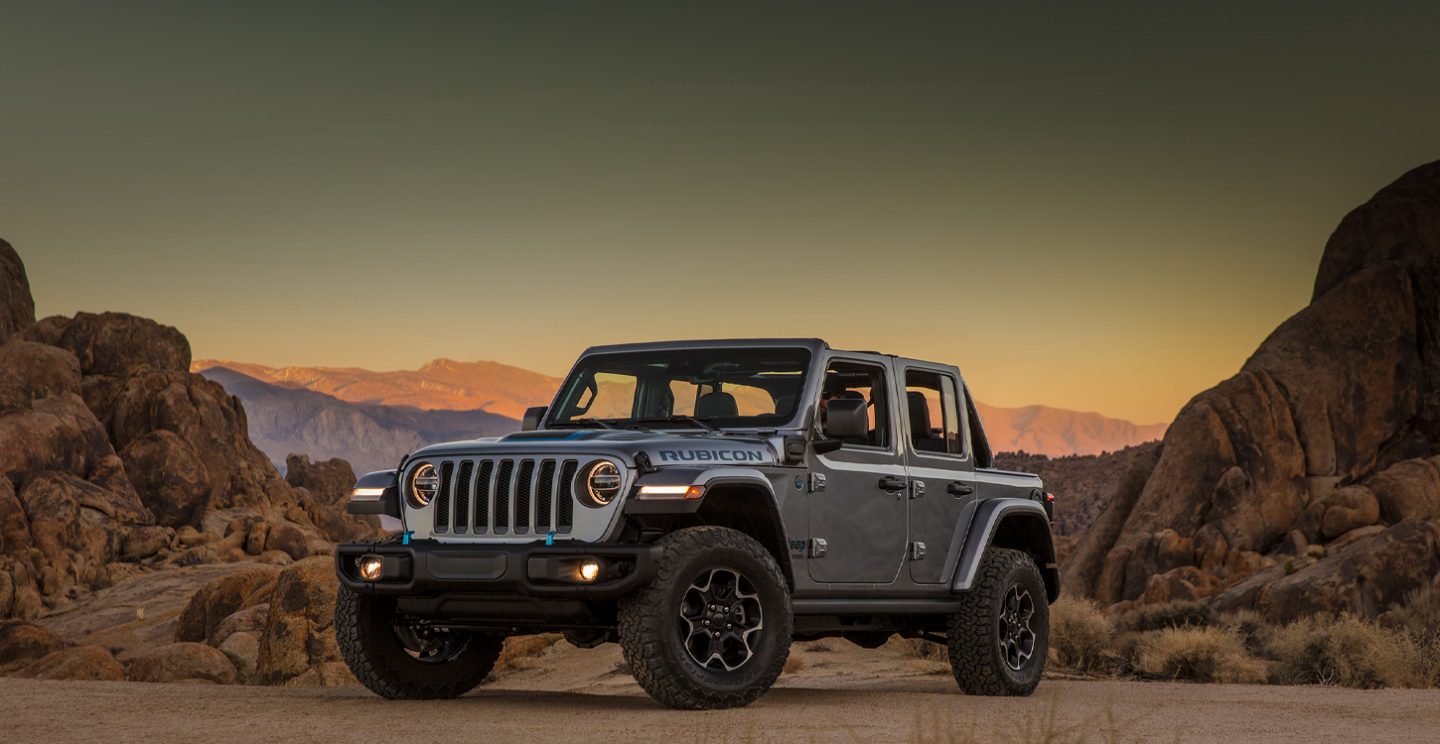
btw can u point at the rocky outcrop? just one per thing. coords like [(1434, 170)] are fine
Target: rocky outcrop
[(116, 459), (222, 598), (299, 646), (1327, 430), (17, 307)]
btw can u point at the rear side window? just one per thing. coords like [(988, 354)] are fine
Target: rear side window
[(863, 381), (933, 412)]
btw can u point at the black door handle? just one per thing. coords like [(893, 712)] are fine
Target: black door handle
[(960, 489), (892, 483)]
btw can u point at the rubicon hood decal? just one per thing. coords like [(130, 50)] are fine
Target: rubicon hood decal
[(712, 454)]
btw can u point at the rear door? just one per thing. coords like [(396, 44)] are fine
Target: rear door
[(941, 470)]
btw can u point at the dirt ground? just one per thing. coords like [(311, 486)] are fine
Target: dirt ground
[(839, 693)]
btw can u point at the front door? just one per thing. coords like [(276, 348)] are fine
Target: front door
[(942, 473), (858, 520)]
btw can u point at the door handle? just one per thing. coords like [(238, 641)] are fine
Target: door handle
[(957, 488), (892, 483)]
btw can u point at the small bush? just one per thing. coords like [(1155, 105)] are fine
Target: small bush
[(1347, 652), (1187, 614), (1419, 615), (1198, 655), (1249, 627), (1079, 634)]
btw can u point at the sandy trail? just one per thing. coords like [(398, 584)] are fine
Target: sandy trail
[(840, 694)]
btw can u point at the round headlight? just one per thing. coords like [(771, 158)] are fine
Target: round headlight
[(600, 482), (424, 484)]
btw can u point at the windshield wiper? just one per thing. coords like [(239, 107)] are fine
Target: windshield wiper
[(585, 422), (699, 423)]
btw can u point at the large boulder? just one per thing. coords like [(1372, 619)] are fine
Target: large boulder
[(183, 662), (169, 477), (31, 371), (1307, 437), (117, 344), (329, 481), (299, 643), (23, 643), (17, 307), (89, 662), (223, 597)]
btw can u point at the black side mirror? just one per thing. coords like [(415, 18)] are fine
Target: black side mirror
[(533, 417), (847, 418)]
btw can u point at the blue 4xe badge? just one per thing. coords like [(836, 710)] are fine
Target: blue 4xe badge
[(797, 547)]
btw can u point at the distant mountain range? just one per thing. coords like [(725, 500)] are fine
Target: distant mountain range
[(371, 436), (363, 415)]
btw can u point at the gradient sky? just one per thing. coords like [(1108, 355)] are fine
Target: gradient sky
[(1102, 208)]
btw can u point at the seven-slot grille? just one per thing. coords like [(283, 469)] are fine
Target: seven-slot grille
[(505, 496)]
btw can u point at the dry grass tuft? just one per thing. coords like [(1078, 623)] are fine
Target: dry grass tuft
[(1419, 615), (1348, 652), (1198, 655), (520, 651), (918, 648), (1080, 633), (794, 663), (1169, 615)]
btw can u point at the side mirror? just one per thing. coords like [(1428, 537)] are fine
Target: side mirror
[(847, 418), (533, 417)]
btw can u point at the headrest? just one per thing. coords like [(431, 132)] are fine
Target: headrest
[(919, 415), (716, 405)]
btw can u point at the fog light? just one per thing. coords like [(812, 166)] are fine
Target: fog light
[(370, 567), (589, 570)]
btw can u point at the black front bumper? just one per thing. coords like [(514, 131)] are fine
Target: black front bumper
[(536, 571)]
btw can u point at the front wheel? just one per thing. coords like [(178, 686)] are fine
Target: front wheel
[(999, 639), (400, 659), (713, 629)]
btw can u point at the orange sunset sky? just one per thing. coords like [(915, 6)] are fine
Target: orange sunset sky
[(1101, 210)]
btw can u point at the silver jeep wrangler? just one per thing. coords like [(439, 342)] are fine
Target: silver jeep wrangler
[(704, 504)]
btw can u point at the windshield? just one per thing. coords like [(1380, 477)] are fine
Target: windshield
[(700, 388)]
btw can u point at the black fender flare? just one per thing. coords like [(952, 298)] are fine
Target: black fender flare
[(716, 479), (1025, 524)]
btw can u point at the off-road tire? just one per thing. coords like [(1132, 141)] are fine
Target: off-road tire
[(649, 618), (365, 632), (972, 634)]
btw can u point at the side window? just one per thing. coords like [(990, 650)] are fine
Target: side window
[(932, 409), (866, 382)]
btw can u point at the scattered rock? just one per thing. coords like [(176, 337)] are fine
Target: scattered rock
[(222, 598), (183, 662), (299, 636), (76, 663), (1348, 509), (22, 643)]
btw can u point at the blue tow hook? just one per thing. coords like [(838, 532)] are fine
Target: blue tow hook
[(550, 538), (405, 539)]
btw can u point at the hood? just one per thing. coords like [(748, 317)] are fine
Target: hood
[(663, 448)]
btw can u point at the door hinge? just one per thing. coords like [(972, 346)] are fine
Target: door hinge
[(818, 547), (917, 489), (917, 551), (817, 482)]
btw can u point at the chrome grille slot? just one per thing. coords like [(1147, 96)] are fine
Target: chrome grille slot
[(524, 496), (545, 497), (443, 498), (565, 520), (498, 496), (503, 495), (463, 498)]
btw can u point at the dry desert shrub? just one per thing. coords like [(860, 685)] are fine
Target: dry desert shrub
[(1184, 614), (1347, 652), (794, 663), (520, 651), (1249, 627), (1080, 633), (1197, 655), (1419, 615)]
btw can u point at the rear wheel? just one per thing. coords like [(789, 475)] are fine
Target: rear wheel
[(713, 629), (999, 640), (399, 658)]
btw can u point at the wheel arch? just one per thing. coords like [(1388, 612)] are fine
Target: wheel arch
[(1017, 524)]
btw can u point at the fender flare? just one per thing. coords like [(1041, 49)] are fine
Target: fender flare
[(990, 515), (712, 478)]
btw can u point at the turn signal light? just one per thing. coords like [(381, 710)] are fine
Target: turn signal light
[(688, 493)]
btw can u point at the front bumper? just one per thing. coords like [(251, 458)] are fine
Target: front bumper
[(427, 568)]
